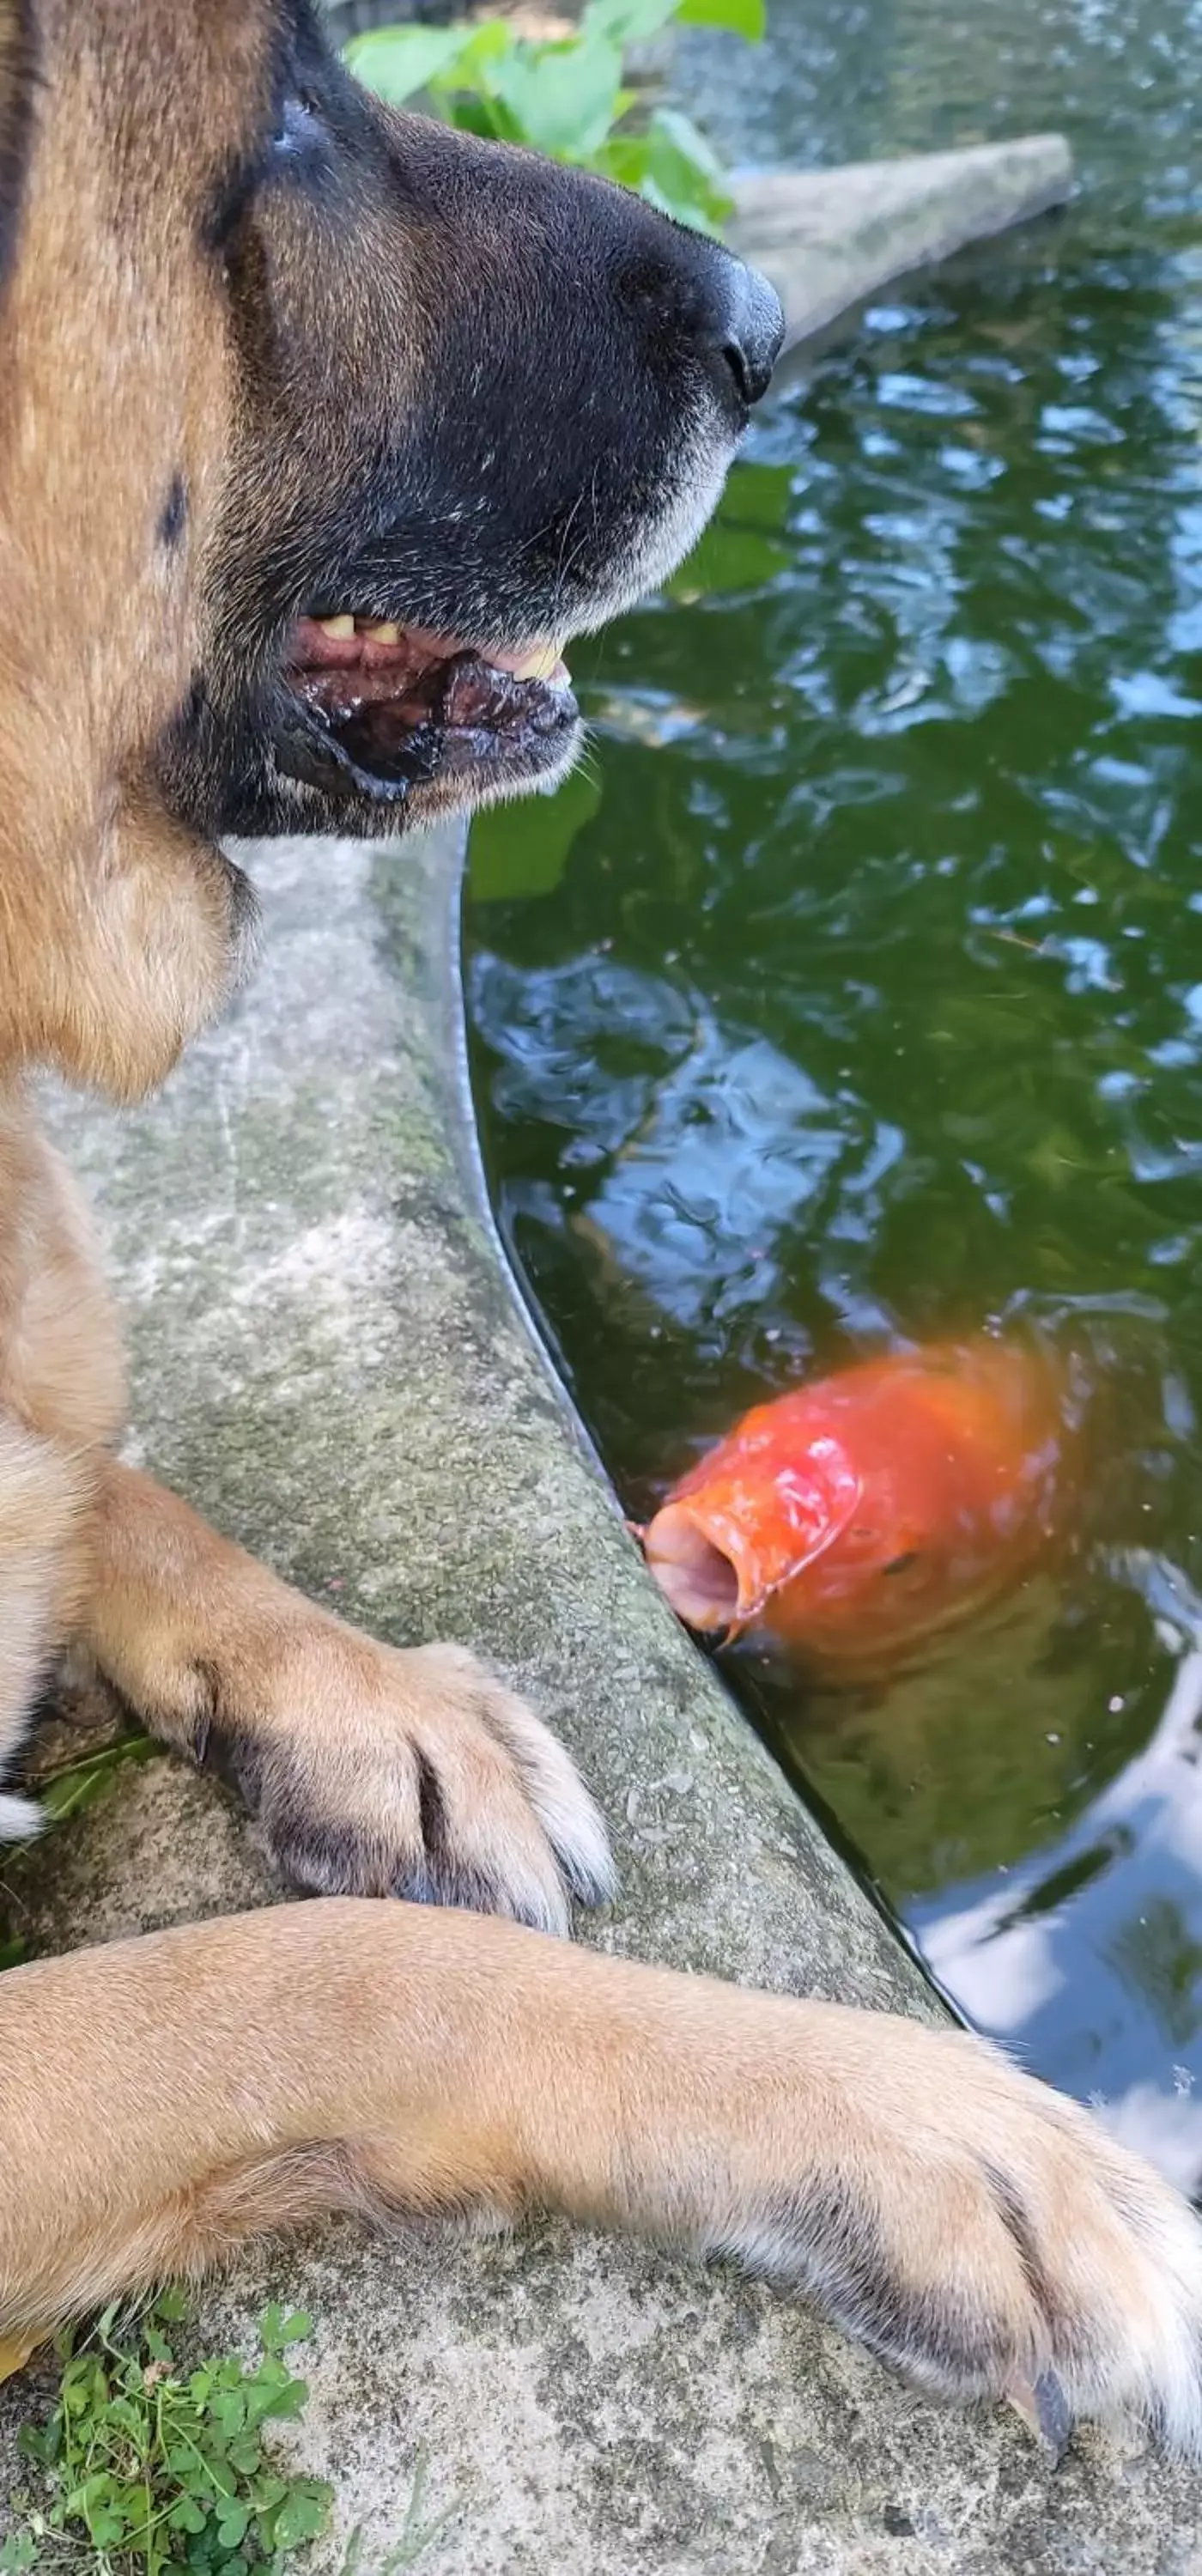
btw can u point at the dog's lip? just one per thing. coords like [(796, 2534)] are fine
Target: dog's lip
[(379, 711)]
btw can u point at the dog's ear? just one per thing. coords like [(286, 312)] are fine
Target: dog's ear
[(18, 82)]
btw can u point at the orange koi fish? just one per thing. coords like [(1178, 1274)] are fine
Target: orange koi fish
[(862, 1515)]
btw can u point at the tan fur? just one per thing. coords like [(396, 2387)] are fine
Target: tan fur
[(163, 2099), (114, 927), (325, 1730), (211, 2082)]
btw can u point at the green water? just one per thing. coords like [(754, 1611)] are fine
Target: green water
[(856, 992)]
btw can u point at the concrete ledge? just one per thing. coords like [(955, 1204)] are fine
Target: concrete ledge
[(828, 238), (329, 1360)]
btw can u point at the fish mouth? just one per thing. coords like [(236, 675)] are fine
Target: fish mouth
[(375, 710), (698, 1580), (716, 1568)]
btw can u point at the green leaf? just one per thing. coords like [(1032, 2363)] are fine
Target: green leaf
[(487, 117), (683, 183), (627, 22), (277, 2330), (667, 177), (397, 62), (186, 2515), (481, 48), (565, 97), (126, 2415), (279, 2397), (303, 2513), (745, 545), (42, 2445), (18, 2554), (267, 2490), (742, 17), (81, 1783), (245, 2455), (232, 2522), (727, 559), (220, 2475), (106, 2528), (758, 496), (678, 133), (84, 2386), (520, 850)]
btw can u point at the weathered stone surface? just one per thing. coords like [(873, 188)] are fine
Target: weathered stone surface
[(329, 1360), (828, 238)]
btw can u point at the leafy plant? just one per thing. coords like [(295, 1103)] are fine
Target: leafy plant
[(569, 97), (76, 1785), (141, 2468)]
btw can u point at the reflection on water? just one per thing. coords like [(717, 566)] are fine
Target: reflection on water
[(857, 993), (1107, 1910)]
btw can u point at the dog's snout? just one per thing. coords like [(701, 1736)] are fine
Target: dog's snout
[(754, 330), (701, 302), (751, 330)]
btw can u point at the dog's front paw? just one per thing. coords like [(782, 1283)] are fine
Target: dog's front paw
[(377, 1771), (977, 2230)]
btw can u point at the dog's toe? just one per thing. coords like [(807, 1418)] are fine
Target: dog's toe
[(436, 1784), (991, 2239)]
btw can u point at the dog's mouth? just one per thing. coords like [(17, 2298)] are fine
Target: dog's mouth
[(375, 710)]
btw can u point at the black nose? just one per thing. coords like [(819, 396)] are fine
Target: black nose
[(753, 328)]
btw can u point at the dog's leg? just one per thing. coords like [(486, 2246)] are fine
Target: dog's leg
[(44, 1494), (62, 1395), (373, 1770), (165, 2097)]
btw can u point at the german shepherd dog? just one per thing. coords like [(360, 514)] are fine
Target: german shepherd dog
[(321, 430)]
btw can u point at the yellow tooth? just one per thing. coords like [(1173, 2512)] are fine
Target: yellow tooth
[(340, 629), (537, 665), (384, 633)]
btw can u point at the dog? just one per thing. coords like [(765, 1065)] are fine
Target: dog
[(322, 430)]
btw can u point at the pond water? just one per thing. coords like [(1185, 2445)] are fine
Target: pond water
[(855, 991)]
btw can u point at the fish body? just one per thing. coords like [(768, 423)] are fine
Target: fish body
[(857, 1517)]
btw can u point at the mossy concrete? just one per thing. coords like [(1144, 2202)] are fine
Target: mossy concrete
[(328, 1358), (830, 238)]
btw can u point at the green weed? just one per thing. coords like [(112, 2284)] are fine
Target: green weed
[(142, 2467)]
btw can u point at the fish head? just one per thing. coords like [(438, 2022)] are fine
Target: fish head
[(745, 1523)]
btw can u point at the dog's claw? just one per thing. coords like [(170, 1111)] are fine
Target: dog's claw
[(1044, 2409)]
